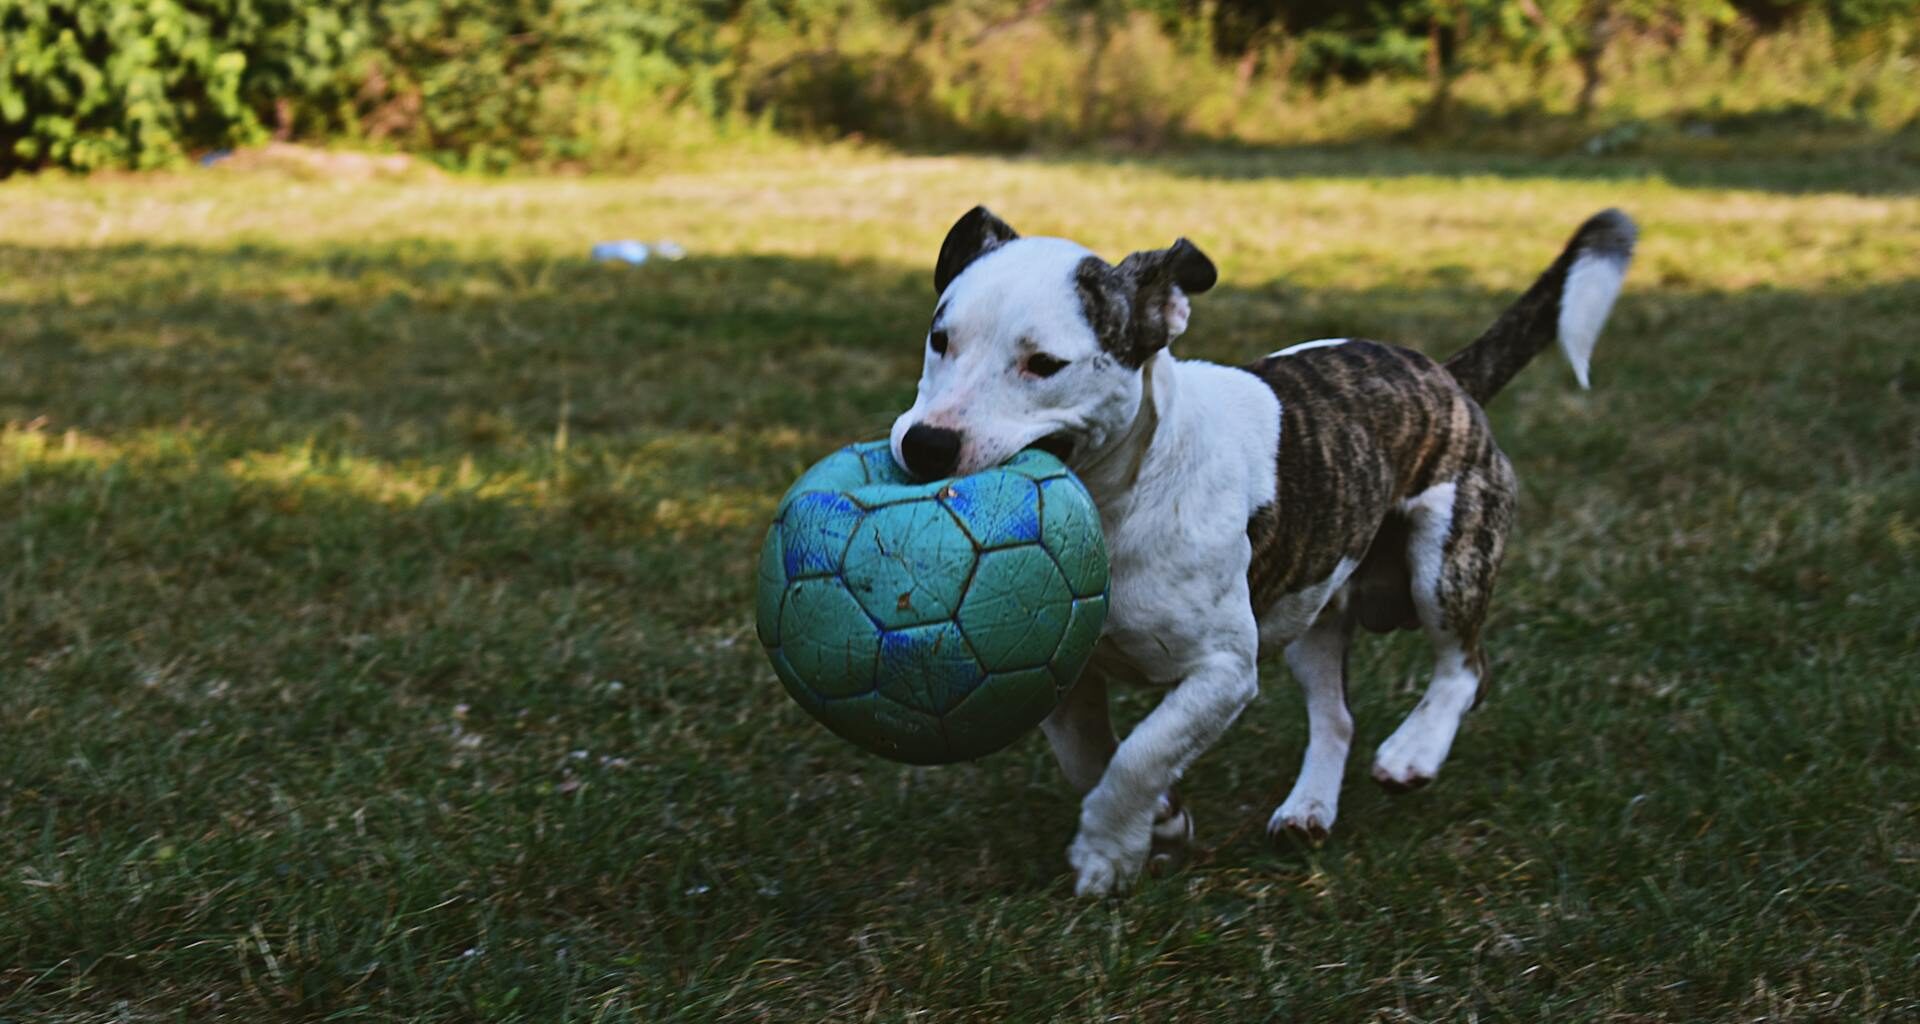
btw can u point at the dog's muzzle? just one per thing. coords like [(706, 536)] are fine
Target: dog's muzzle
[(930, 452)]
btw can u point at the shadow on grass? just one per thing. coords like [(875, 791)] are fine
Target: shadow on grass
[(417, 352), (739, 369), (1794, 149), (1864, 170)]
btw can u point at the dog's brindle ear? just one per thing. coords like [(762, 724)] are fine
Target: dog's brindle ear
[(1143, 301), (975, 234), (1181, 263)]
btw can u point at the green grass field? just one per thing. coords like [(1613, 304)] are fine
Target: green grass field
[(377, 587)]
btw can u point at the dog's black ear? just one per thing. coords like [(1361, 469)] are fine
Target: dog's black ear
[(975, 234), (1159, 281)]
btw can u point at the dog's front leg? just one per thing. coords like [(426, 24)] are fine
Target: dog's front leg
[(1116, 817)]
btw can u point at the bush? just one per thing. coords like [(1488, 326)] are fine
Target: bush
[(94, 84), (612, 83), (106, 83), (491, 84)]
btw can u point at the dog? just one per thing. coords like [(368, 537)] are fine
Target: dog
[(1247, 510)]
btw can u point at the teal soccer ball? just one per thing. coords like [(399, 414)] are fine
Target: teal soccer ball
[(932, 622)]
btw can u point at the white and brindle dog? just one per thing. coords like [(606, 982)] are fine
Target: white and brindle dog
[(1247, 510)]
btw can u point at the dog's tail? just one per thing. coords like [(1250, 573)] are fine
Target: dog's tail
[(1569, 302)]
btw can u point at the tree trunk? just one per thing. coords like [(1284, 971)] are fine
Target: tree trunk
[(1599, 34), (740, 90), (1243, 71), (1090, 84), (1443, 41)]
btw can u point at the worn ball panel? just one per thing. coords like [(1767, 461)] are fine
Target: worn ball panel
[(877, 457), (842, 471), (908, 564), (773, 586), (997, 509), (1076, 645), (927, 668), (1070, 531), (882, 495), (1016, 609), (878, 725), (828, 640), (1004, 702), (814, 530), (797, 688), (931, 621)]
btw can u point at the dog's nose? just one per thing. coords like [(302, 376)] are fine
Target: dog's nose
[(931, 452)]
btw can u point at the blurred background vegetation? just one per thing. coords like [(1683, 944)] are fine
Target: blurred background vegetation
[(619, 84)]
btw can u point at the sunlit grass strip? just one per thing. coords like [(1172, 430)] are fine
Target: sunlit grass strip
[(642, 479)]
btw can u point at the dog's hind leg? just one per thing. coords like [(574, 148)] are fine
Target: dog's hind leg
[(1457, 533), (1081, 734), (1318, 661)]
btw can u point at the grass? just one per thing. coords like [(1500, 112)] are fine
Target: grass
[(377, 611)]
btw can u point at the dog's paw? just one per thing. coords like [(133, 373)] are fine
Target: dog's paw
[(1300, 818), (1172, 841), (1105, 864), (1102, 869), (1409, 759)]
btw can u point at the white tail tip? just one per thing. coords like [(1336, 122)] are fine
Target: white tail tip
[(1585, 300)]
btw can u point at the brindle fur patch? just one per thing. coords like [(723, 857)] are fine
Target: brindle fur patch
[(1107, 304), (1127, 305), (1365, 426)]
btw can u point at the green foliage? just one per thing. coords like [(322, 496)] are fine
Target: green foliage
[(97, 83), (1845, 15), (492, 84), (609, 83), (89, 83)]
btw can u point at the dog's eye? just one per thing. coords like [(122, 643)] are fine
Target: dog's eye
[(937, 341), (1041, 364)]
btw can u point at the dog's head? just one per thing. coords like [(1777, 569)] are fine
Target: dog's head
[(1038, 342)]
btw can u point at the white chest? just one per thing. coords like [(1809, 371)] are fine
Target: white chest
[(1177, 530), (1176, 594)]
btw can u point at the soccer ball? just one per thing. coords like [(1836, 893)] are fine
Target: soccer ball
[(932, 622)]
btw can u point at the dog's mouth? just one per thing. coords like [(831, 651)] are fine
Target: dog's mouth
[(1058, 445)]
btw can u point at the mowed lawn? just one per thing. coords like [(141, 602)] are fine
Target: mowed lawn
[(377, 633)]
